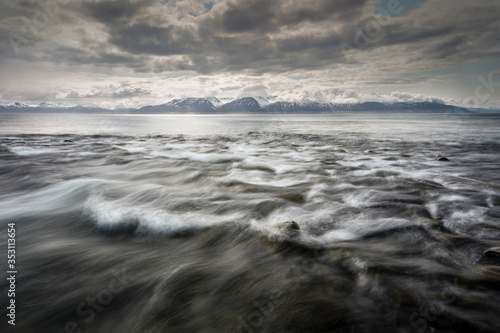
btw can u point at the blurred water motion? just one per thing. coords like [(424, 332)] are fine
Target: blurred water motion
[(183, 233)]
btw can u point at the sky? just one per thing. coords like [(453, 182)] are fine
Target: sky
[(131, 53)]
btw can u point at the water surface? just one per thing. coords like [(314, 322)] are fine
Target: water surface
[(175, 223)]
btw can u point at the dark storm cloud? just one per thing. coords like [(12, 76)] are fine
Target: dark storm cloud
[(239, 35), (455, 32), (254, 35), (269, 16), (110, 11), (142, 38)]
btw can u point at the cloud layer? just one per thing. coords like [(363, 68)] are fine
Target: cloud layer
[(361, 42)]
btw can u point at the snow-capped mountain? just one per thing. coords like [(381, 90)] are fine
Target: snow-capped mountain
[(269, 105), (185, 105), (295, 107), (242, 105), (265, 101), (410, 107), (49, 107)]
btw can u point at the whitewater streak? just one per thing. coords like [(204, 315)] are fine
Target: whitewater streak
[(390, 239)]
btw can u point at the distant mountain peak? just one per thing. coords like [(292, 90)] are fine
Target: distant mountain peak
[(258, 104)]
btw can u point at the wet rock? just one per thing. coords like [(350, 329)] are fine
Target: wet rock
[(290, 227), (492, 253), (441, 158), (294, 197), (258, 167)]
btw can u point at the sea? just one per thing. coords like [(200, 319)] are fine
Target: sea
[(272, 223)]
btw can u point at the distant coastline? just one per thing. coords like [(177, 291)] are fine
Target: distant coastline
[(248, 105)]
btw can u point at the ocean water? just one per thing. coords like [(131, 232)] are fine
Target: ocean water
[(177, 223)]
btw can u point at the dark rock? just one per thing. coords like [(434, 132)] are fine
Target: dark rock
[(67, 141), (441, 158), (493, 253), (294, 197)]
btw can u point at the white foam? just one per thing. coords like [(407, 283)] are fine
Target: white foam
[(351, 163), (364, 224), (317, 192), (113, 214), (175, 146), (339, 235), (28, 151), (475, 214), (279, 166), (200, 157), (360, 198), (299, 157), (282, 168), (433, 209), (79, 156), (345, 186), (253, 161), (61, 196), (364, 173), (84, 154), (257, 177), (452, 198)]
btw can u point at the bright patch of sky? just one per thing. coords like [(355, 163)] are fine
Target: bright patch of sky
[(472, 70), (209, 5), (397, 7)]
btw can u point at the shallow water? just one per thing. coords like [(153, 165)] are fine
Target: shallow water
[(174, 224)]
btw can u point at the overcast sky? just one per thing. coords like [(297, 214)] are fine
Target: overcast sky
[(127, 53)]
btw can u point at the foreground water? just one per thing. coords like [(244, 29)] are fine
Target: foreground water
[(126, 225)]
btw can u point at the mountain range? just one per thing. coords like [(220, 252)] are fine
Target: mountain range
[(247, 105)]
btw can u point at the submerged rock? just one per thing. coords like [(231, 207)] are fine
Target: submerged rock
[(67, 141), (441, 158), (293, 197), (488, 272)]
